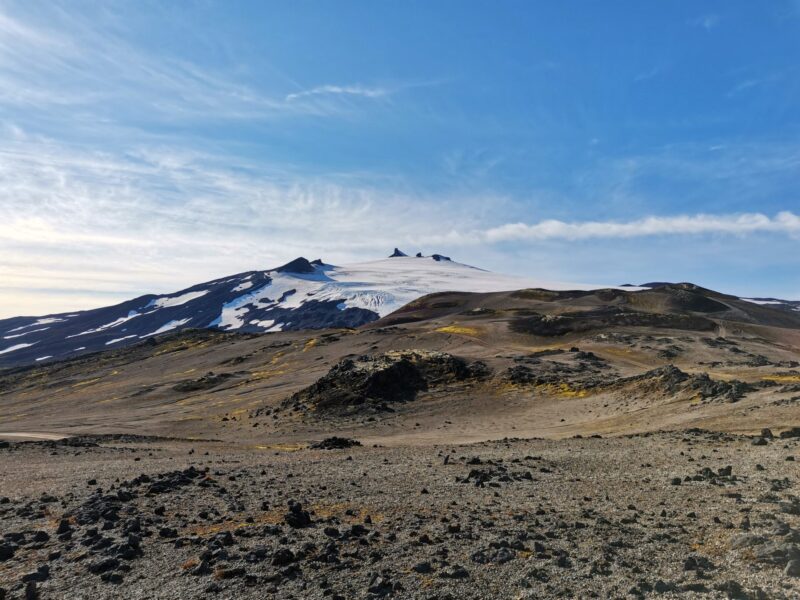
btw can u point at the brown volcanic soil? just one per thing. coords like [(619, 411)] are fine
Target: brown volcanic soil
[(227, 386), (451, 375)]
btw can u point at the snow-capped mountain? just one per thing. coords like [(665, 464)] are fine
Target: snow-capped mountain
[(299, 295)]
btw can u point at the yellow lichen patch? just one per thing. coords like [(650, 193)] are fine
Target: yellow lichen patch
[(310, 344), (562, 390), (458, 330), (266, 374), (268, 518), (107, 400), (280, 447), (274, 516), (356, 515), (618, 351), (782, 378), (715, 544), (87, 382), (192, 370)]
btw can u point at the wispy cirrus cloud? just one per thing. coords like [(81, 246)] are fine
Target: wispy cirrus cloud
[(340, 90), (72, 63)]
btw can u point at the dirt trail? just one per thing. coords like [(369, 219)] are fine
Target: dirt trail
[(31, 435)]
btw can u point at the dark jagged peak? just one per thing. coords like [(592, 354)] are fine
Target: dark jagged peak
[(318, 262), (298, 265), (419, 255), (397, 253), (440, 257)]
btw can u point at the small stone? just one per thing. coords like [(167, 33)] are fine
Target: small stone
[(40, 537), (297, 517), (103, 565), (792, 568), (31, 593), (454, 572), (283, 557), (63, 527), (6, 551), (41, 574), (423, 567)]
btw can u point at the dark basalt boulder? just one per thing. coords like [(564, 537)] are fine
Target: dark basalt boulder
[(335, 443), (206, 382)]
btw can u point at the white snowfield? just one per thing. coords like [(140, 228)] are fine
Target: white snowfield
[(381, 286)]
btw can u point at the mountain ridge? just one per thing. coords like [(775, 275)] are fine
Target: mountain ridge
[(300, 294), (303, 294)]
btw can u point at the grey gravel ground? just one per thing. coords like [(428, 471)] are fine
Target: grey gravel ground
[(689, 514)]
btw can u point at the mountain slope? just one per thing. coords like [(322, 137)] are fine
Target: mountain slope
[(299, 295)]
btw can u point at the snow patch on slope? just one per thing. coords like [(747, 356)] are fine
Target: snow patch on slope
[(17, 335), (166, 301), (43, 321), (117, 340), (131, 315), (762, 302), (16, 347), (168, 327)]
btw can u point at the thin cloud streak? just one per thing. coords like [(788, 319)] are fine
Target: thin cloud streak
[(347, 90), (786, 223), (76, 64)]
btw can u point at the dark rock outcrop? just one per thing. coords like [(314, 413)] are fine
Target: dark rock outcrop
[(385, 378)]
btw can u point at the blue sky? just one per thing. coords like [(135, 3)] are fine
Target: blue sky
[(146, 146)]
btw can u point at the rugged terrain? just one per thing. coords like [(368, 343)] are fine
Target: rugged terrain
[(301, 294), (607, 443)]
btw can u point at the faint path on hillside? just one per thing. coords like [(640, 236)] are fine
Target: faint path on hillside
[(31, 435)]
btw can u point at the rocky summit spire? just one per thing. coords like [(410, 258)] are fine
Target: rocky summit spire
[(298, 265), (397, 253)]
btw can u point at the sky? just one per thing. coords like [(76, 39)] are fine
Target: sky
[(147, 146)]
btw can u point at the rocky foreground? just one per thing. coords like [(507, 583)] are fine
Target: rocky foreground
[(687, 514)]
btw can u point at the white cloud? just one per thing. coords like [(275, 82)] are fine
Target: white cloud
[(347, 90), (786, 223), (707, 22)]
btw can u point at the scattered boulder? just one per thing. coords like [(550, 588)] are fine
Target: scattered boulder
[(335, 443), (206, 382), (297, 517)]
